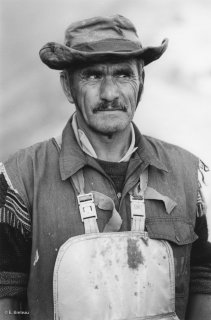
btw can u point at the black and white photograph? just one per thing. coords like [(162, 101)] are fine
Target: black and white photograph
[(105, 157)]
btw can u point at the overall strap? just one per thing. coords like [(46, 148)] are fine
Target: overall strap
[(85, 201), (86, 204), (138, 215)]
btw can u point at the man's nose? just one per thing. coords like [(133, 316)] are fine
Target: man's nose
[(109, 90)]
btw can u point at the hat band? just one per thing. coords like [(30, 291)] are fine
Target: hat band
[(108, 45)]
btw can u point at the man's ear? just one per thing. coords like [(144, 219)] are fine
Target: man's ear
[(143, 75), (65, 83), (141, 86)]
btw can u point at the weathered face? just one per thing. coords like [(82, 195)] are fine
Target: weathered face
[(106, 95)]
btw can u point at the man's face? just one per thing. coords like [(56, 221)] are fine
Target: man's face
[(106, 95)]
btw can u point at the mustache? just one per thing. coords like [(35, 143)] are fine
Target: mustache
[(114, 105)]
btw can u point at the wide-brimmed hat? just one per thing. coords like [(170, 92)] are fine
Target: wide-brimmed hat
[(98, 39)]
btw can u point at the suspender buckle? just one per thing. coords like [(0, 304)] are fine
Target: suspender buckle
[(86, 206), (137, 213), (137, 206)]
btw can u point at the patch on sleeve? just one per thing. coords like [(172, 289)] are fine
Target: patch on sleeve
[(201, 203), (202, 169), (13, 211)]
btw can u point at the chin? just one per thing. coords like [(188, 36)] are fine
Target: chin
[(110, 127)]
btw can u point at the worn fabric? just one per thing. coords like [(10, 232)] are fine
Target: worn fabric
[(117, 172), (41, 176), (98, 39), (109, 287)]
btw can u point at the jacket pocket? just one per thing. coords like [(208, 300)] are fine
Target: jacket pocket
[(180, 234), (176, 230)]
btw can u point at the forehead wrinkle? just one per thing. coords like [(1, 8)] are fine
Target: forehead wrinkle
[(110, 66), (130, 66)]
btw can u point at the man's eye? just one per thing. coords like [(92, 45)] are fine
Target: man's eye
[(123, 75), (94, 76)]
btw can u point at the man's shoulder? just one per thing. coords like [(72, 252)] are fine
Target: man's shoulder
[(27, 160), (32, 153), (29, 164), (168, 151)]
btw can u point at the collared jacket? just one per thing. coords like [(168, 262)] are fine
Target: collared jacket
[(39, 181)]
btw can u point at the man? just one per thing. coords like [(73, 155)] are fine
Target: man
[(63, 201)]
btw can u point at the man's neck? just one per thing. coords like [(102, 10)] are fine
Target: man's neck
[(108, 147), (111, 148)]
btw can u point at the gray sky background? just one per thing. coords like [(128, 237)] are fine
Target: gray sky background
[(176, 104)]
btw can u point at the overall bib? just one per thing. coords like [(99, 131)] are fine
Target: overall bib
[(114, 275)]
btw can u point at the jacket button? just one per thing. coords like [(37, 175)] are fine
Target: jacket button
[(119, 195), (177, 238)]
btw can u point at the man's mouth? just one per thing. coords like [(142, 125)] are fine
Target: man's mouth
[(110, 107)]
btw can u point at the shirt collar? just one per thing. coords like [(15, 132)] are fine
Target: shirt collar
[(72, 158)]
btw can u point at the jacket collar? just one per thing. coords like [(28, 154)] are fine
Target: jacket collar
[(148, 151), (72, 158)]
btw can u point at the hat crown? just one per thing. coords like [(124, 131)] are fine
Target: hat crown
[(99, 39), (99, 29)]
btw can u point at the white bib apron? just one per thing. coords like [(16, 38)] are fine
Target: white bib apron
[(114, 275)]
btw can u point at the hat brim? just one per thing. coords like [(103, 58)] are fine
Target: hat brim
[(59, 57)]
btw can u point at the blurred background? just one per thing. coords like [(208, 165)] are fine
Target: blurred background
[(176, 104)]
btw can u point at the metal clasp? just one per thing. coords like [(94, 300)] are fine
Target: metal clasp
[(86, 206), (137, 206)]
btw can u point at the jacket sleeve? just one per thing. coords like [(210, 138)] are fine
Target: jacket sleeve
[(15, 240), (201, 249)]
